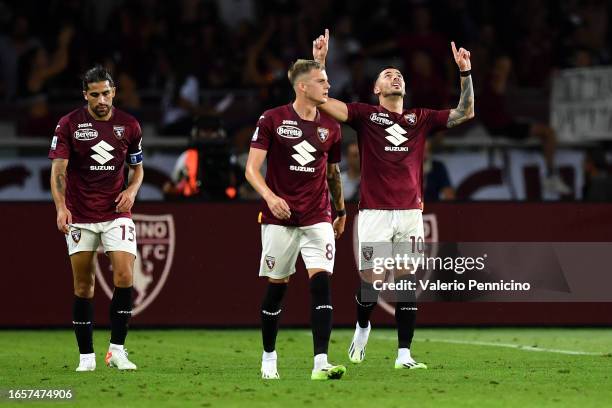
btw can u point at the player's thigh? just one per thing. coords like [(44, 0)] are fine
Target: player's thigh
[(82, 238), (83, 273), (279, 251), (119, 235), (375, 226), (408, 226), (318, 247), (408, 240), (375, 232)]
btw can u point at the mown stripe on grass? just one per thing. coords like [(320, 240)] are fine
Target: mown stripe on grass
[(507, 345)]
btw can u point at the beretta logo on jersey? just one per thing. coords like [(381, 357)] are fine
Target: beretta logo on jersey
[(119, 131), (155, 238), (322, 133), (290, 132), (85, 134), (381, 119)]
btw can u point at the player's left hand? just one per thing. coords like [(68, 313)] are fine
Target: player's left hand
[(125, 201), (338, 226), (462, 58)]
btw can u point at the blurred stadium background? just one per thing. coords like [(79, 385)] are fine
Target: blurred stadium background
[(215, 65)]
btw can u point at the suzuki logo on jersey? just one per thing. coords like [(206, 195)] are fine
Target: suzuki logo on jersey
[(303, 157), (396, 136), (102, 155)]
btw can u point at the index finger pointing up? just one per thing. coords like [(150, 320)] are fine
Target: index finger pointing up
[(326, 34), (454, 48)]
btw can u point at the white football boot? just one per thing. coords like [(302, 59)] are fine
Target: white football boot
[(117, 358), (268, 366), (87, 362), (405, 361), (357, 348)]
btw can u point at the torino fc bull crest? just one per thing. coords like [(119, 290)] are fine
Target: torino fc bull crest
[(119, 131), (322, 133), (155, 236)]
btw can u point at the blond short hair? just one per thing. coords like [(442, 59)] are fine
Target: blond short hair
[(301, 67)]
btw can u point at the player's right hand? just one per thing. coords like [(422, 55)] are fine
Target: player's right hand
[(320, 46), (64, 219), (279, 207)]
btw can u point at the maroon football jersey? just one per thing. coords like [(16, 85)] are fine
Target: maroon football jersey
[(298, 153), (391, 147), (96, 152)]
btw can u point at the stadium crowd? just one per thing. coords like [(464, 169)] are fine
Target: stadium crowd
[(174, 61)]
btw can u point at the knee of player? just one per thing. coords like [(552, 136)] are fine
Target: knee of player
[(123, 277), (84, 289)]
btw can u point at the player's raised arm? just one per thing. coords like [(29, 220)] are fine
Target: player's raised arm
[(333, 107), (278, 206), (465, 109), (58, 190), (336, 109)]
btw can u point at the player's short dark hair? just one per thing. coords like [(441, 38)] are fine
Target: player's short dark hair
[(97, 74), (381, 71), (386, 68), (301, 67)]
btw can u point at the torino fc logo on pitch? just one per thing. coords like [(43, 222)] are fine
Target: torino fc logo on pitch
[(155, 236)]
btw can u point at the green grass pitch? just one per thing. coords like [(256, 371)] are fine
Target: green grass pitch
[(220, 368)]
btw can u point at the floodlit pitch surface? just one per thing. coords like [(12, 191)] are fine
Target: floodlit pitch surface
[(220, 368)]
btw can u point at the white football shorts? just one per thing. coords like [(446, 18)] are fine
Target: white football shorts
[(387, 233), (116, 235), (281, 246)]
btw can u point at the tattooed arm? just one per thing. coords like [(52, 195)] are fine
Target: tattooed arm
[(58, 190), (335, 188), (465, 109)]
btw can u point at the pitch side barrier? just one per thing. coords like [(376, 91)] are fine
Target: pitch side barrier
[(496, 263)]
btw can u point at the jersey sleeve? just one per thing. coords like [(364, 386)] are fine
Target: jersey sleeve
[(335, 151), (135, 155), (60, 143), (263, 134), (436, 119), (356, 111)]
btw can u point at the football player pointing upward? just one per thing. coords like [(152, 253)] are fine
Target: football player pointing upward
[(89, 149), (302, 146), (391, 145)]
